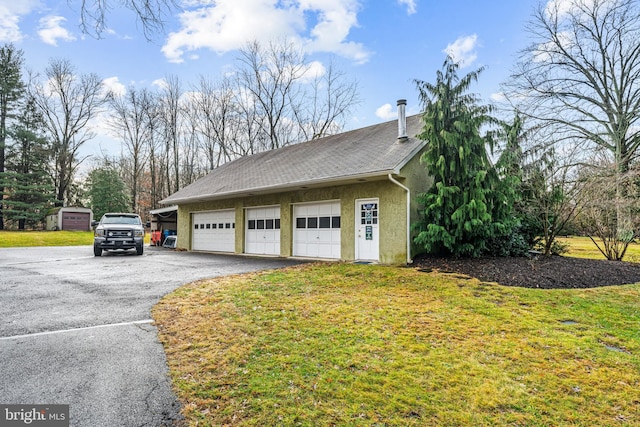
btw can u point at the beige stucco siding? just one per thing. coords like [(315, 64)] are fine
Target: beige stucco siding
[(418, 180), (392, 216)]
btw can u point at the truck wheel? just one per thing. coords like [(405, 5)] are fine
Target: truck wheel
[(97, 251), (139, 249)]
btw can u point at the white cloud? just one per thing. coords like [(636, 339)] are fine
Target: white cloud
[(386, 112), (313, 70), (227, 25), (335, 19), (160, 84), (411, 6), (463, 50), (558, 8), (113, 85), (498, 97), (10, 13), (51, 30)]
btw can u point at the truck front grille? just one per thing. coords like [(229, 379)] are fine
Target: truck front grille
[(120, 233)]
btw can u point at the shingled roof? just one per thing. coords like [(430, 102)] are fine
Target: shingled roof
[(364, 153)]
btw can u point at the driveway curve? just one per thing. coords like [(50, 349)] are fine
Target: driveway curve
[(76, 329)]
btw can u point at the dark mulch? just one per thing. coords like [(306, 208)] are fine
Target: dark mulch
[(547, 272)]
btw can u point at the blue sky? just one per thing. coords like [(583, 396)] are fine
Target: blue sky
[(384, 44)]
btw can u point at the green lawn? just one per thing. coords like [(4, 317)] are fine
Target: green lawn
[(360, 345), (11, 239), (583, 247), (357, 345)]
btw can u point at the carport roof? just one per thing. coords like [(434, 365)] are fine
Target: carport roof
[(361, 154), (163, 210)]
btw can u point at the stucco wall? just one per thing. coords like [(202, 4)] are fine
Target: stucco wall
[(419, 181), (392, 216)]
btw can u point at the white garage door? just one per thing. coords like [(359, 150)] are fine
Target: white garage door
[(317, 230), (263, 231), (214, 231)]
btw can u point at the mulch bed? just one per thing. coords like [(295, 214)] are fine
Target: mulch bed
[(546, 272)]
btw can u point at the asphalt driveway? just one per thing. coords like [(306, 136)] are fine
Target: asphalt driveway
[(76, 329)]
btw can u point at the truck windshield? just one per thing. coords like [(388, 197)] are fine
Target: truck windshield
[(121, 220)]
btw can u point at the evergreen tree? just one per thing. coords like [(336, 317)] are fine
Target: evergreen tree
[(11, 91), (107, 191), (29, 191), (458, 209), (515, 232)]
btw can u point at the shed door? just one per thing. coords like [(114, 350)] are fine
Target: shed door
[(75, 221), (317, 230), (263, 231), (214, 231)]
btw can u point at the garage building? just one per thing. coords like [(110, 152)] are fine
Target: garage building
[(350, 196)]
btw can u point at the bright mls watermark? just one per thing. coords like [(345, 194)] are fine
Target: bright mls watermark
[(34, 415)]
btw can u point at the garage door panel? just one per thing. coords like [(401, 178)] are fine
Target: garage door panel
[(214, 231), (78, 221), (263, 231), (317, 230)]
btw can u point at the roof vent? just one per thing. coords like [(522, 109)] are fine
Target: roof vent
[(402, 120)]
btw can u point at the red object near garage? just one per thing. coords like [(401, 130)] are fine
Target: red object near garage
[(156, 238)]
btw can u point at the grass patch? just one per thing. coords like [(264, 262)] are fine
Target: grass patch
[(352, 345), (12, 239), (583, 247), (15, 239)]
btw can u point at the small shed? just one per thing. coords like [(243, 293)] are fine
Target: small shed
[(70, 218)]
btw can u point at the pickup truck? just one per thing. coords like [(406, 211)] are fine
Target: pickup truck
[(118, 231)]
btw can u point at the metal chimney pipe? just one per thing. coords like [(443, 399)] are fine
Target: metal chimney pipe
[(402, 119)]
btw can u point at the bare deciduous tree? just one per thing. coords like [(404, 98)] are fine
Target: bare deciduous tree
[(191, 164), (269, 100), (251, 139), (215, 112), (581, 74), (129, 121), (270, 75), (68, 102), (150, 14), (170, 116), (552, 192), (155, 156), (611, 219), (329, 99), (287, 99)]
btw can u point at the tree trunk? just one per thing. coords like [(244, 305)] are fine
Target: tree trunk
[(3, 139)]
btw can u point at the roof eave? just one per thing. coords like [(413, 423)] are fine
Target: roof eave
[(299, 185), (411, 155)]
